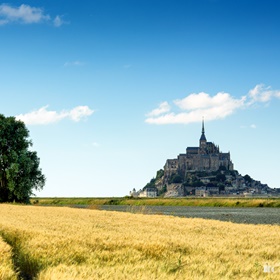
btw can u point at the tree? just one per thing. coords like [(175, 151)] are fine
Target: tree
[(160, 174), (19, 167), (247, 178), (197, 183), (151, 184), (221, 177), (162, 191), (176, 179)]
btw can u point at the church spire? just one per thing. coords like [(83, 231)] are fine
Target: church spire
[(203, 125), (203, 138)]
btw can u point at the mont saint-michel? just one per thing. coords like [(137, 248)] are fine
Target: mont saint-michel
[(207, 157), (202, 171)]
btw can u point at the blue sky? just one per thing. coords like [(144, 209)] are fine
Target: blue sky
[(109, 89)]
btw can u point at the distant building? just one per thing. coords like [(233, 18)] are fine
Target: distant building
[(202, 171), (134, 193), (206, 157), (201, 191), (149, 192)]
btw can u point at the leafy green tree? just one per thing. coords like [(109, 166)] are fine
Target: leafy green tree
[(221, 177), (247, 178), (151, 184), (160, 173), (163, 190), (222, 168), (175, 179), (19, 167), (197, 183)]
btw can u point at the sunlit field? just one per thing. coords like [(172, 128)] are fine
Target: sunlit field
[(6, 265), (66, 243)]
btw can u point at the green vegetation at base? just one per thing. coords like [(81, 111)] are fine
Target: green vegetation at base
[(189, 201)]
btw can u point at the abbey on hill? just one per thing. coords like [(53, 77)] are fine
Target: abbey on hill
[(201, 171), (206, 157)]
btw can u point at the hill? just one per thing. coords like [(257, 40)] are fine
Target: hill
[(202, 171)]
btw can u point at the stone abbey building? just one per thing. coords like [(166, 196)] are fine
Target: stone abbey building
[(207, 157), (201, 171)]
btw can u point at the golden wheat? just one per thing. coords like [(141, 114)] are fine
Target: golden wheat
[(65, 243), (6, 265)]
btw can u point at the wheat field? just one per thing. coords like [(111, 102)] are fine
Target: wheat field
[(6, 265), (65, 243)]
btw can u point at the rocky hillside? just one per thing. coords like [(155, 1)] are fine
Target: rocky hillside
[(220, 182)]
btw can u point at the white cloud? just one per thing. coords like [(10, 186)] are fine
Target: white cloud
[(163, 108), (261, 93), (25, 14), (252, 126), (79, 113), (43, 116), (196, 105), (58, 21)]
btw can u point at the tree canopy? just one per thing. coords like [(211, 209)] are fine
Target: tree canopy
[(19, 167), (247, 178)]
